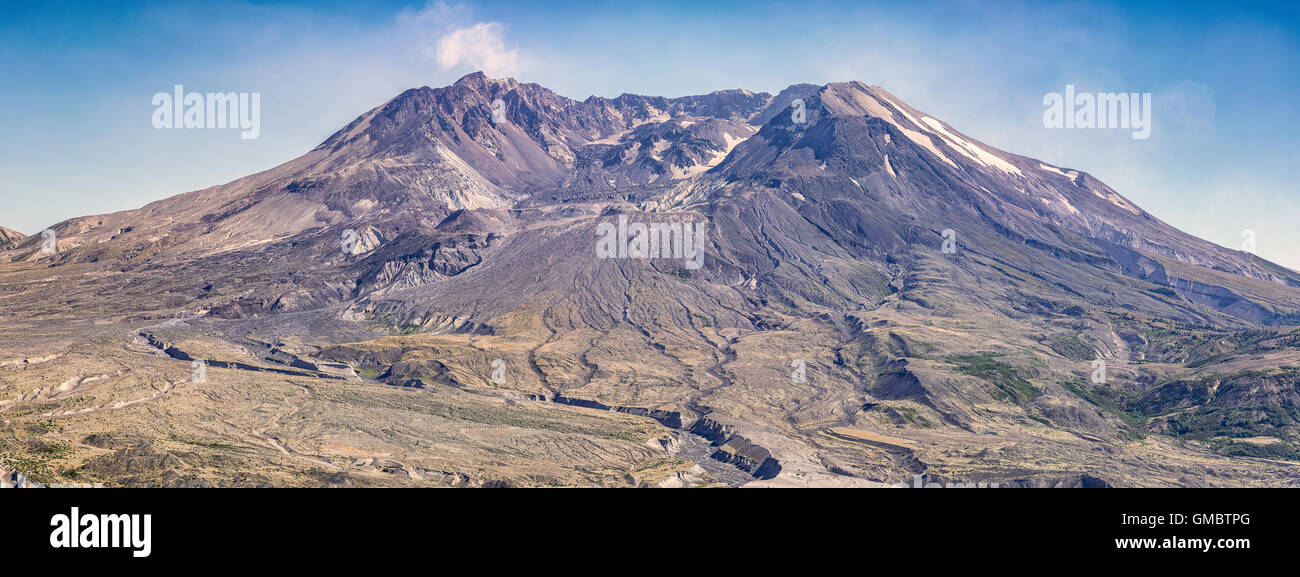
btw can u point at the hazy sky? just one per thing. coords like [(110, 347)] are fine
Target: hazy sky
[(76, 83)]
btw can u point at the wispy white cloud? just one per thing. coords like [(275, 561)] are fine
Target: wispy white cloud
[(482, 47), (452, 38)]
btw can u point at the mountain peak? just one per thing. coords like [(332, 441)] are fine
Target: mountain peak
[(10, 238), (479, 82)]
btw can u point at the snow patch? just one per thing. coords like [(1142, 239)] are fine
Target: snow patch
[(878, 110), (659, 147), (1117, 200), (1070, 174), (730, 143), (1062, 200), (971, 150)]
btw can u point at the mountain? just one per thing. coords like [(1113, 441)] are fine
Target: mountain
[(422, 299), (10, 238)]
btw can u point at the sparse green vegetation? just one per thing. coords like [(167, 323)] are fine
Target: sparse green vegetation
[(36, 465), (57, 449), (1205, 423), (404, 329), (882, 285), (1111, 401), (1009, 383), (1236, 448), (200, 442), (1164, 291), (912, 416), (1073, 347)]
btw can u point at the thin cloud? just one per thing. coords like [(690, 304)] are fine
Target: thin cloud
[(482, 47), (453, 38)]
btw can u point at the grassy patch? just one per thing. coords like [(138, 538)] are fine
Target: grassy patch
[(1164, 291), (201, 443), (912, 416), (1008, 382), (404, 329), (1111, 402), (36, 465), (1282, 450), (1073, 347), (882, 285), (1234, 422), (57, 449)]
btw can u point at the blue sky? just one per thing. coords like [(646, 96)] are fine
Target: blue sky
[(1223, 155)]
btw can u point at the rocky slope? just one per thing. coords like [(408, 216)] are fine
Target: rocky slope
[(10, 238)]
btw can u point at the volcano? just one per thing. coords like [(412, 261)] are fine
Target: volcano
[(423, 300)]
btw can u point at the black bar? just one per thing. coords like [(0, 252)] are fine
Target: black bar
[(319, 527)]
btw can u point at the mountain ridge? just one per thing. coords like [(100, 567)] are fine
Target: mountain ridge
[(938, 292)]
